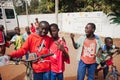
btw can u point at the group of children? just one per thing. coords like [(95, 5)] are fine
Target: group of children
[(52, 67)]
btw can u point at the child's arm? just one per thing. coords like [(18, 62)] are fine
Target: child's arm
[(73, 41)]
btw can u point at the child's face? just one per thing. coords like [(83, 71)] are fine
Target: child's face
[(43, 29), (89, 30), (54, 31), (27, 29), (109, 43), (17, 30)]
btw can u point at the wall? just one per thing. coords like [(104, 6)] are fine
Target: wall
[(76, 22)]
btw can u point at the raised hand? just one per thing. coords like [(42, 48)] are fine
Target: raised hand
[(72, 35), (60, 46)]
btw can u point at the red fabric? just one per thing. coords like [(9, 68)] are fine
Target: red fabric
[(57, 60), (32, 28), (7, 44), (1, 37), (32, 44), (109, 62)]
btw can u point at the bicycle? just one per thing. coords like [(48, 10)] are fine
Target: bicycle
[(28, 63), (113, 74)]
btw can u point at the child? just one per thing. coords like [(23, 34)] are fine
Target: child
[(41, 70), (17, 39), (88, 46), (36, 24), (108, 46), (60, 50), (25, 36), (2, 41), (32, 28)]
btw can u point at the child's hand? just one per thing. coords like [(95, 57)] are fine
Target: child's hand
[(63, 39), (72, 35), (98, 55), (60, 46)]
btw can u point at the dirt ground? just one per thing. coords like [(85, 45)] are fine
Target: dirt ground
[(17, 72)]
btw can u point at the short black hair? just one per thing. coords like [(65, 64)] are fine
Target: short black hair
[(44, 22), (1, 26), (92, 25), (16, 28), (106, 38), (55, 25)]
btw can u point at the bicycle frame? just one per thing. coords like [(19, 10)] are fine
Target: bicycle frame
[(29, 70), (113, 74)]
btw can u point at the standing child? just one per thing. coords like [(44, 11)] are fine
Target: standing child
[(25, 36), (36, 23), (17, 39), (59, 49), (2, 41), (32, 28), (41, 70), (88, 45)]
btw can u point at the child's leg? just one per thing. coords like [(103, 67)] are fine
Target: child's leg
[(105, 71), (91, 71), (0, 77), (60, 76), (38, 76), (2, 50), (53, 75), (46, 75), (81, 70)]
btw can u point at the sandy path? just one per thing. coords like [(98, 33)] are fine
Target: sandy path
[(17, 72)]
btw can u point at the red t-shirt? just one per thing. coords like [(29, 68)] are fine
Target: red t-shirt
[(57, 60), (2, 38), (32, 44), (32, 28), (89, 51)]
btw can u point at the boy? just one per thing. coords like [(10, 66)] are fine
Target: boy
[(25, 36), (59, 49), (88, 45), (107, 47), (41, 70), (17, 39), (32, 28), (2, 41)]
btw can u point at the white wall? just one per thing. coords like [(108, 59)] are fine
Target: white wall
[(76, 22)]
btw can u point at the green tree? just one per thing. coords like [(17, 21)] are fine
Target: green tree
[(114, 10), (33, 8)]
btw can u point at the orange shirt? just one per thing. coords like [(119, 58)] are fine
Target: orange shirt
[(88, 51)]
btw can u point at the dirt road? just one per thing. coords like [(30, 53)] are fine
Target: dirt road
[(17, 72)]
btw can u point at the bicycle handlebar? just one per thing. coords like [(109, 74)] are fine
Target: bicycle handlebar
[(33, 60), (110, 54)]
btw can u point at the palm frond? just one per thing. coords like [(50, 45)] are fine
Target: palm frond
[(115, 18)]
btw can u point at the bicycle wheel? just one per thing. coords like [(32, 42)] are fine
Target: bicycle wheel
[(112, 76), (118, 73)]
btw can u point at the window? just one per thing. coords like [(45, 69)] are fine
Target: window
[(1, 13), (9, 13)]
